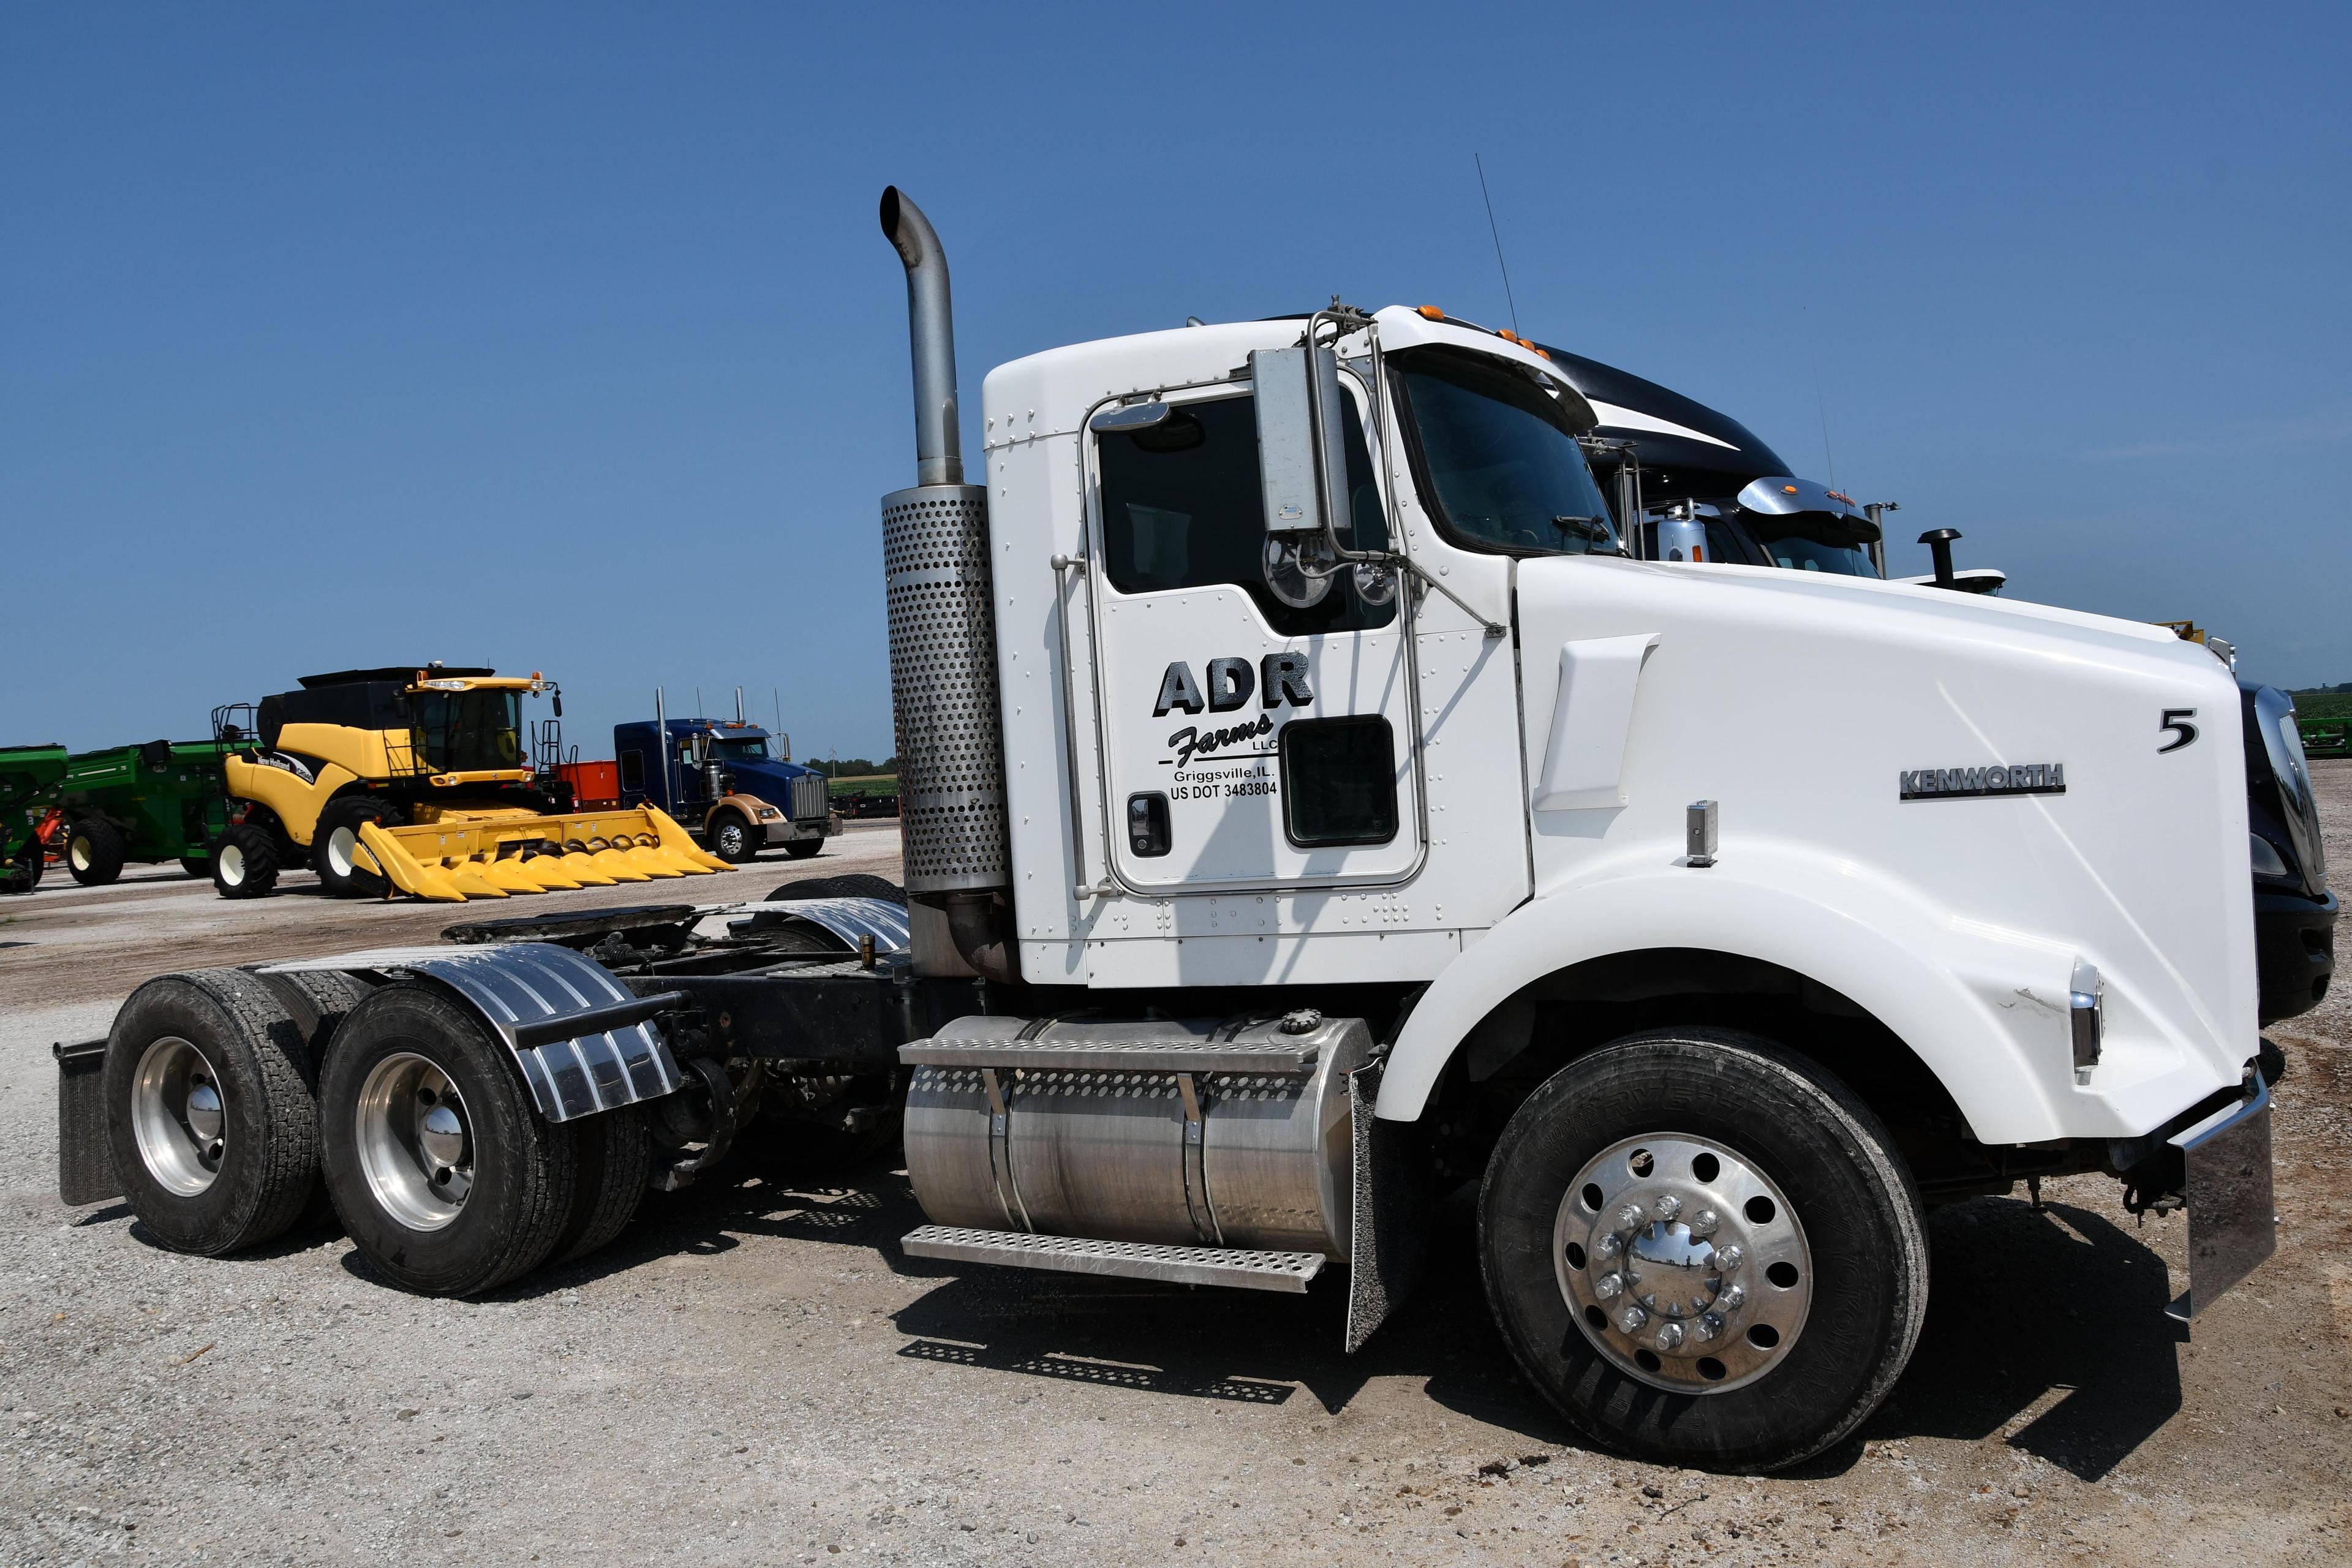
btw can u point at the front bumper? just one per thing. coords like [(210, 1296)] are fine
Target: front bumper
[(2294, 952), (784, 830), (2233, 1224)]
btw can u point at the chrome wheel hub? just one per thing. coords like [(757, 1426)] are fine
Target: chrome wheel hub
[(1684, 1263), (416, 1143), (177, 1117)]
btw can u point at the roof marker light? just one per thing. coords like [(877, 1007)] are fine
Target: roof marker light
[(1430, 313)]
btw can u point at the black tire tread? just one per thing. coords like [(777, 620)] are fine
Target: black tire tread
[(616, 1157), (261, 862)]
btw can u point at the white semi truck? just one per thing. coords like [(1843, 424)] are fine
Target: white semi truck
[(1309, 809)]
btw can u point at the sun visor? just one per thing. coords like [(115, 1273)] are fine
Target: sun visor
[(1781, 495)]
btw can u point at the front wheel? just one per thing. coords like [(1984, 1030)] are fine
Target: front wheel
[(735, 838), (1702, 1248), (804, 848), (245, 862), (439, 1167), (335, 846)]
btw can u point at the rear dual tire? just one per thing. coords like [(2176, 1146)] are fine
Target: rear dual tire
[(442, 1170), (1832, 1283)]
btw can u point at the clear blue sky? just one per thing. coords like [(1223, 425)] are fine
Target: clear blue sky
[(563, 338)]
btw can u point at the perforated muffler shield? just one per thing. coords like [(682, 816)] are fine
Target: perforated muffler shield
[(943, 686)]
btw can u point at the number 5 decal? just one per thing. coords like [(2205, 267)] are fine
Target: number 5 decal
[(2176, 721)]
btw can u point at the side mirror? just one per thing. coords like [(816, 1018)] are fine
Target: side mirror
[(559, 704), (1302, 468)]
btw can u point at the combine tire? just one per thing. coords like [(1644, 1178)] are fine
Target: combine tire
[(804, 848), (245, 862), (198, 865), (616, 1156), (735, 838), (333, 843), (1702, 1248), (209, 1112), (94, 851), (441, 1170)]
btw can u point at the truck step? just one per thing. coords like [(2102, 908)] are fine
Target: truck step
[(1085, 1045), (1229, 1266)]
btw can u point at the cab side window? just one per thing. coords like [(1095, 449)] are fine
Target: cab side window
[(1182, 508)]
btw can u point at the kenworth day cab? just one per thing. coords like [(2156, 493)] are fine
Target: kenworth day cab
[(1307, 810)]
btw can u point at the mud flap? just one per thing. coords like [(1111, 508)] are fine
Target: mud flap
[(85, 1159), (1388, 1228), (2233, 1223)]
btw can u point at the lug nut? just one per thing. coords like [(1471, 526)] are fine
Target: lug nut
[(1608, 1286), (1709, 1324), (1666, 1207), (1630, 1218), (1728, 1258), (1732, 1298), (1609, 1246), (1670, 1336), (1704, 1221), (1631, 1318)]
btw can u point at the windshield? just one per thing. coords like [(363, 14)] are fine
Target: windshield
[(740, 750), (1810, 543), (467, 731), (1501, 467)]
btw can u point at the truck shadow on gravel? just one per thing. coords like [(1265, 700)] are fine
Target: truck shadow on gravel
[(2025, 1306)]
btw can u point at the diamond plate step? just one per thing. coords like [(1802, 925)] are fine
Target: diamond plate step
[(1229, 1266), (1287, 1057)]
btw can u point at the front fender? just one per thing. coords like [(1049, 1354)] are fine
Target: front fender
[(1984, 1008)]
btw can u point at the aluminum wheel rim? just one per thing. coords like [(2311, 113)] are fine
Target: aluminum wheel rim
[(339, 845), (1683, 1262), (231, 863), (416, 1141), (732, 838), (178, 1117)]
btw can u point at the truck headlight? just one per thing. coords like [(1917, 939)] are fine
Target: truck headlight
[(2268, 861)]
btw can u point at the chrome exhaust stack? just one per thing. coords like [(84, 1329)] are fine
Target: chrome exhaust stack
[(952, 813)]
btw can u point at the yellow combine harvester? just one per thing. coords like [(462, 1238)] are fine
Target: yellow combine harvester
[(418, 781)]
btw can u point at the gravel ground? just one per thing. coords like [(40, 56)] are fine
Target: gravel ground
[(754, 1374)]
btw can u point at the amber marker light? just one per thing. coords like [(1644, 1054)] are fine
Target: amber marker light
[(1429, 312)]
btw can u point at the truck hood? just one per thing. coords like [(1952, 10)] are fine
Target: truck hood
[(2000, 771)]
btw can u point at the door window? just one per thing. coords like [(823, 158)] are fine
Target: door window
[(1182, 508)]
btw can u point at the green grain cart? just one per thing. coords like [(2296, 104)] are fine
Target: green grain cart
[(29, 777), (161, 800)]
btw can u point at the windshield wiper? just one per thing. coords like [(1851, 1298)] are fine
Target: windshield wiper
[(1594, 529)]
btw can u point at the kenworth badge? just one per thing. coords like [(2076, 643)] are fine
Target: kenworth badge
[(1962, 784)]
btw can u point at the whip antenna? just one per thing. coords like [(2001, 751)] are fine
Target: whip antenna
[(1497, 232)]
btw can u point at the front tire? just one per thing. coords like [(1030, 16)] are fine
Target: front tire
[(210, 1118), (94, 851), (245, 862), (334, 846), (1608, 1221), (804, 848), (440, 1168), (198, 865), (735, 838)]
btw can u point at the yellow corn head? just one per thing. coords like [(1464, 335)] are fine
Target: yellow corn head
[(493, 852)]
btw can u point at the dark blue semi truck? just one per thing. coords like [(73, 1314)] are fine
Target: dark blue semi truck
[(729, 782)]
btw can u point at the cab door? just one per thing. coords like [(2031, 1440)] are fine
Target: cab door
[(1245, 741)]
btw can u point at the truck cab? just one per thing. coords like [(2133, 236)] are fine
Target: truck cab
[(734, 783)]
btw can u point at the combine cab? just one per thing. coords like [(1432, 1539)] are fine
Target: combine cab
[(417, 781)]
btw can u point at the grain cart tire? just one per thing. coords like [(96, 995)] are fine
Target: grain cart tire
[(209, 1112), (804, 848), (245, 862), (443, 1173), (616, 1157), (735, 838), (196, 866), (336, 840), (94, 850), (1701, 1248)]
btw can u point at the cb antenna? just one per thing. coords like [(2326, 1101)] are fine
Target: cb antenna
[(1497, 232)]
